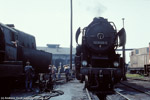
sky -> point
(49, 20)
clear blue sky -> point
(49, 20)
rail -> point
(125, 97)
(147, 93)
(91, 96)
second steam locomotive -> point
(96, 59)
(16, 48)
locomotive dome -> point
(100, 35)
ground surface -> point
(72, 90)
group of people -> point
(29, 74)
(52, 72)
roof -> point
(53, 45)
(60, 50)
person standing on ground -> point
(66, 69)
(54, 69)
(29, 74)
(50, 69)
(50, 72)
(59, 74)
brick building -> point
(60, 55)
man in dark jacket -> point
(67, 70)
(50, 69)
(29, 73)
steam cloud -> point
(93, 7)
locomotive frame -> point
(96, 61)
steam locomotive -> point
(16, 48)
(96, 59)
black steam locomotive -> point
(16, 48)
(96, 59)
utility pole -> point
(71, 35)
(124, 58)
(149, 52)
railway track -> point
(91, 96)
(122, 96)
(139, 90)
(117, 96)
(128, 92)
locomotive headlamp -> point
(84, 63)
(116, 64)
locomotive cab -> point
(2, 46)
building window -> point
(147, 50)
(137, 51)
(131, 54)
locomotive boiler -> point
(96, 59)
(16, 48)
